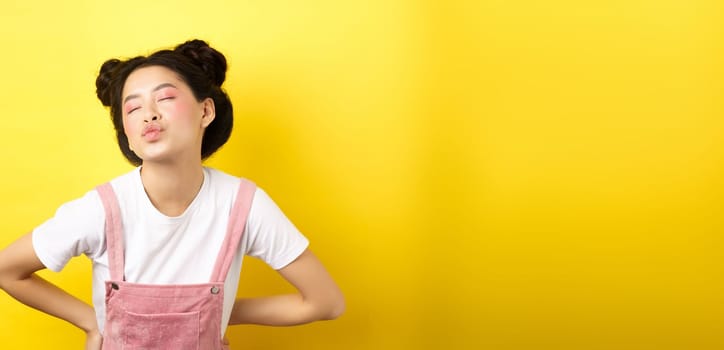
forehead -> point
(147, 78)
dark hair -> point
(197, 64)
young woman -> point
(167, 239)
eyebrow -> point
(164, 85)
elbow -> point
(5, 282)
(337, 311)
(5, 279)
(325, 309)
(335, 308)
(3, 274)
(9, 277)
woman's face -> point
(161, 117)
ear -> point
(209, 112)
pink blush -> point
(181, 108)
(130, 108)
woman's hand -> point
(18, 264)
(319, 298)
(93, 340)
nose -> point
(152, 114)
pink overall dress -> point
(173, 317)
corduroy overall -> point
(173, 317)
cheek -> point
(178, 111)
(185, 122)
(130, 129)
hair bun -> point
(105, 79)
(201, 54)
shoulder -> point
(262, 203)
(219, 179)
(224, 182)
(126, 182)
(90, 202)
(126, 190)
(90, 205)
(227, 186)
(87, 205)
(76, 228)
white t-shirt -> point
(168, 250)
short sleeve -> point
(271, 237)
(75, 229)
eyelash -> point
(159, 100)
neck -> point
(172, 187)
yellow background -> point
(475, 174)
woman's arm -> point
(18, 264)
(319, 298)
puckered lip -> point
(151, 127)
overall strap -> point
(234, 230)
(113, 231)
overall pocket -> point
(178, 331)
